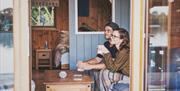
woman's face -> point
(108, 32)
(115, 39)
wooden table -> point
(54, 83)
(43, 58)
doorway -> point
(49, 38)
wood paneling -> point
(99, 14)
(40, 35)
(62, 16)
(175, 24)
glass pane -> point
(163, 61)
(42, 16)
(6, 46)
(93, 15)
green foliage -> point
(42, 16)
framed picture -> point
(92, 15)
(43, 16)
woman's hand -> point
(79, 64)
(102, 49)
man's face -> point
(108, 32)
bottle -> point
(46, 45)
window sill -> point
(44, 28)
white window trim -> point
(137, 45)
(76, 18)
(21, 45)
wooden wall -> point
(40, 35)
(175, 24)
(99, 14)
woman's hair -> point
(113, 25)
(124, 34)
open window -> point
(92, 15)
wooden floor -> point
(38, 77)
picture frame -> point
(43, 16)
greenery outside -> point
(42, 16)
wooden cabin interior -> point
(95, 15)
(50, 43)
(75, 28)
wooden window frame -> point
(46, 27)
(22, 45)
(137, 37)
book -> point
(77, 76)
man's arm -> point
(95, 60)
(87, 66)
(97, 66)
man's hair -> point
(113, 25)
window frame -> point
(76, 18)
(21, 50)
(46, 27)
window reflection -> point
(163, 70)
(6, 13)
(158, 43)
(6, 45)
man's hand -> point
(83, 65)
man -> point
(96, 63)
(109, 28)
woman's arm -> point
(119, 63)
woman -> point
(114, 66)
